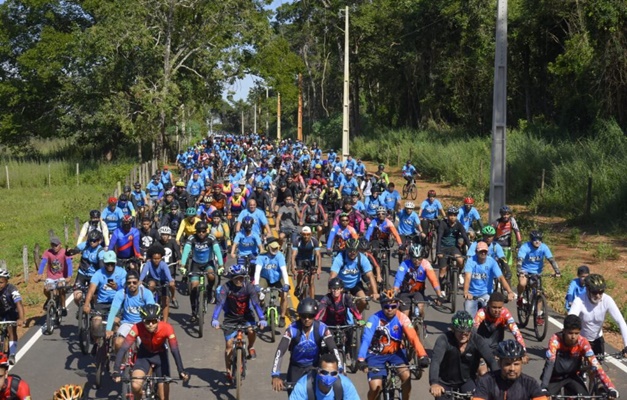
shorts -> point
(10, 315)
(102, 308)
(124, 329)
(379, 360)
(82, 281)
(195, 267)
(160, 361)
(52, 284)
(231, 333)
(406, 299)
(302, 264)
(263, 282)
(359, 286)
(164, 286)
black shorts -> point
(195, 267)
(82, 281)
(406, 299)
(102, 308)
(302, 264)
(160, 361)
(357, 288)
(163, 287)
(10, 315)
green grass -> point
(605, 251)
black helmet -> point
(462, 321)
(127, 188)
(595, 283)
(307, 306)
(336, 283)
(94, 214)
(247, 223)
(352, 244)
(201, 226)
(533, 235)
(94, 236)
(510, 349)
(150, 312)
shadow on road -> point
(212, 379)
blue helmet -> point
(247, 223)
(237, 270)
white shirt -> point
(593, 315)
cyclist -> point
(270, 270)
(260, 222)
(68, 392)
(181, 195)
(247, 243)
(325, 382)
(577, 286)
(348, 183)
(355, 218)
(468, 214)
(221, 231)
(382, 343)
(409, 172)
(303, 338)
(128, 301)
(155, 337)
(509, 383)
(457, 355)
(126, 206)
(204, 251)
(280, 194)
(195, 187)
(188, 225)
(147, 234)
(12, 387)
(306, 254)
(409, 281)
(11, 309)
(91, 260)
(564, 360)
(312, 215)
(94, 223)
(409, 227)
(450, 234)
(238, 299)
(506, 226)
(352, 266)
(138, 196)
(112, 215)
(330, 197)
(219, 198)
(337, 307)
(382, 176)
(287, 219)
(104, 284)
(155, 191)
(125, 241)
(357, 204)
(205, 209)
(58, 267)
(391, 199)
(261, 198)
(166, 178)
(591, 307)
(531, 261)
(429, 211)
(494, 250)
(373, 201)
(156, 273)
(382, 227)
(479, 274)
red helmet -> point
(112, 200)
(314, 182)
(4, 361)
(127, 219)
(431, 193)
(469, 200)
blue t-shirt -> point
(161, 273)
(195, 187)
(430, 210)
(90, 257)
(271, 266)
(247, 245)
(129, 306)
(154, 189)
(468, 217)
(408, 170)
(259, 216)
(494, 250)
(113, 219)
(482, 275)
(532, 258)
(575, 289)
(390, 199)
(372, 204)
(104, 292)
(407, 223)
(348, 270)
(348, 185)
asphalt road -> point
(55, 360)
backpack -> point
(316, 331)
(338, 390)
(15, 384)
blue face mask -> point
(328, 380)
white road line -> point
(22, 351)
(610, 360)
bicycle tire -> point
(354, 348)
(413, 192)
(523, 310)
(540, 330)
(201, 311)
(239, 354)
(272, 323)
(454, 287)
(405, 191)
(83, 329)
(432, 252)
(101, 359)
(51, 313)
(127, 392)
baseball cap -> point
(55, 241)
(482, 246)
(274, 245)
(306, 229)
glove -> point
(258, 288)
(424, 362)
(221, 271)
(263, 323)
(215, 323)
(183, 271)
(361, 365)
(612, 394)
(286, 288)
(361, 322)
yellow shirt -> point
(187, 228)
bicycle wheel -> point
(405, 190)
(353, 349)
(540, 317)
(413, 192)
(271, 316)
(83, 330)
(126, 392)
(431, 246)
(201, 311)
(523, 310)
(101, 361)
(454, 286)
(51, 314)
(239, 354)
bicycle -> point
(591, 378)
(272, 311)
(450, 283)
(84, 323)
(4, 335)
(418, 322)
(238, 355)
(305, 279)
(454, 395)
(54, 307)
(391, 385)
(150, 389)
(348, 351)
(534, 303)
(203, 301)
(104, 355)
(127, 368)
(410, 190)
(431, 241)
(381, 253)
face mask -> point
(328, 380)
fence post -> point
(3, 264)
(36, 254)
(6, 168)
(589, 197)
(49, 175)
(77, 175)
(398, 156)
(66, 232)
(119, 187)
(77, 226)
(25, 262)
(50, 234)
(542, 184)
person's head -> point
(409, 207)
(190, 213)
(391, 187)
(201, 229)
(66, 392)
(349, 173)
(216, 189)
(451, 214)
(505, 212)
(4, 278)
(150, 314)
(127, 223)
(156, 253)
(571, 330)
(289, 201)
(582, 273)
(328, 372)
(252, 205)
(313, 200)
(273, 246)
(155, 178)
(132, 281)
(94, 238)
(431, 196)
(216, 217)
(488, 232)
(247, 223)
(510, 355)
(382, 213)
(482, 252)
(461, 324)
(146, 222)
(180, 185)
(347, 205)
(165, 232)
(389, 303)
(174, 207)
(468, 203)
(595, 287)
(535, 237)
(137, 186)
(496, 304)
(336, 287)
(344, 220)
(307, 310)
(110, 260)
(112, 203)
(381, 167)
(337, 170)
(55, 244)
(416, 252)
(352, 248)
(237, 272)
(94, 217)
(305, 233)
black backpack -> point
(338, 390)
(15, 384)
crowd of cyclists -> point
(243, 214)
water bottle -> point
(416, 311)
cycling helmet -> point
(337, 169)
(462, 321)
(410, 204)
(336, 283)
(313, 197)
(68, 392)
(4, 273)
(381, 210)
(355, 193)
(137, 185)
(241, 182)
(509, 349)
(348, 171)
(352, 245)
(123, 197)
(174, 205)
(364, 245)
(216, 214)
(415, 250)
(469, 200)
(127, 220)
(307, 306)
(165, 230)
(169, 192)
(282, 184)
(238, 269)
(533, 235)
(174, 225)
(180, 184)
(112, 200)
(452, 210)
(488, 230)
(94, 214)
(190, 212)
(388, 296)
(127, 188)
(408, 162)
(593, 283)
(381, 166)
(247, 223)
(94, 236)
(314, 182)
(505, 210)
(431, 193)
(150, 312)
(259, 185)
(201, 226)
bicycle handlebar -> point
(410, 367)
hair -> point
(572, 322)
(328, 358)
(497, 297)
(146, 219)
(132, 274)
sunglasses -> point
(343, 220)
(94, 241)
(204, 231)
(390, 306)
(306, 316)
(151, 322)
(325, 372)
(598, 293)
(483, 252)
(132, 282)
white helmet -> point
(4, 273)
(165, 230)
(410, 204)
(338, 169)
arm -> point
(284, 345)
(439, 351)
(186, 250)
(174, 349)
(394, 232)
(411, 334)
(115, 307)
(618, 317)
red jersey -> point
(153, 342)
(22, 392)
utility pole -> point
(300, 107)
(255, 119)
(267, 114)
(242, 122)
(499, 115)
(278, 117)
(345, 121)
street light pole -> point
(499, 115)
(345, 120)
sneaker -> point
(282, 322)
(252, 354)
(460, 281)
(540, 320)
(519, 302)
(12, 359)
(229, 378)
(174, 303)
(64, 312)
(193, 319)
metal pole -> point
(278, 116)
(255, 119)
(345, 121)
(499, 114)
(300, 107)
(242, 122)
(267, 114)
